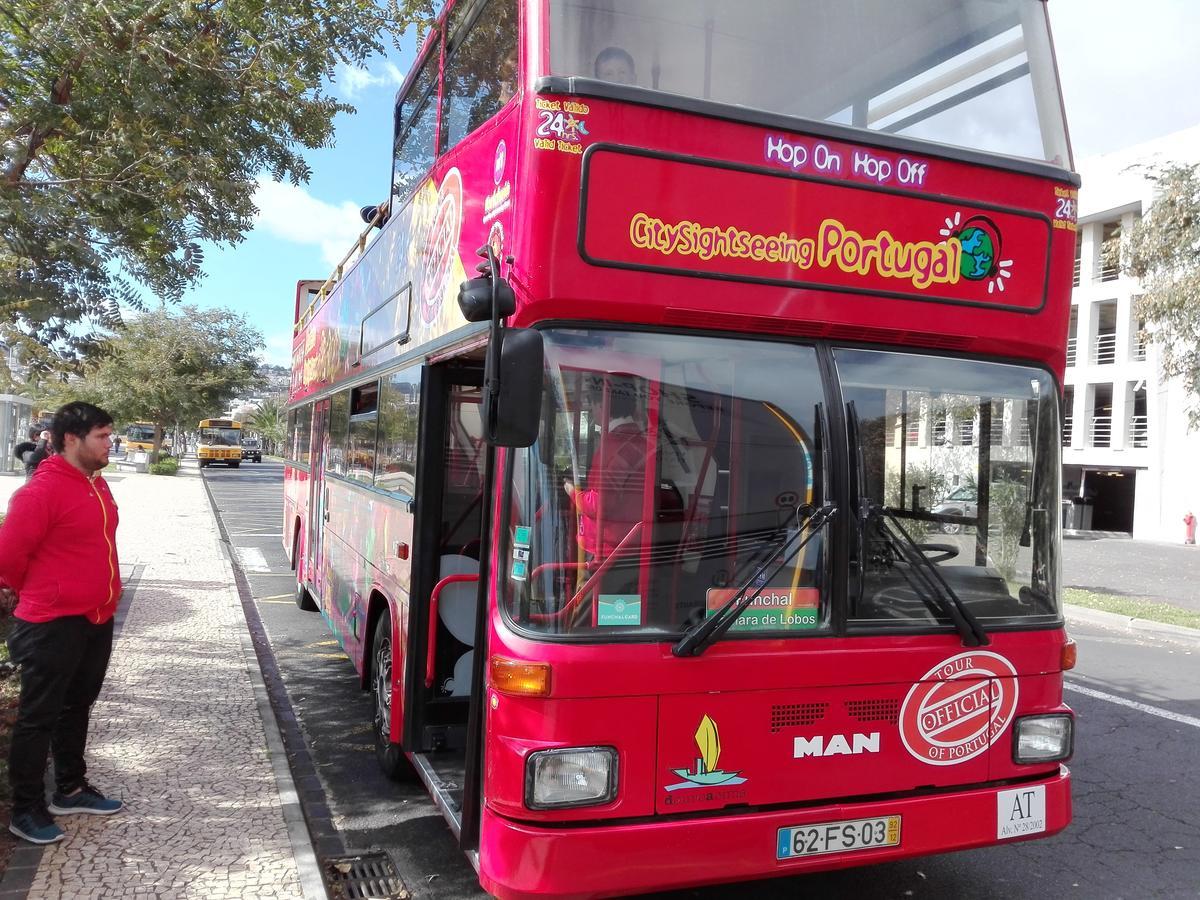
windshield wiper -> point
(937, 593)
(697, 639)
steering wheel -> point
(943, 551)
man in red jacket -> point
(58, 555)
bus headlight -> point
(1039, 739)
(575, 776)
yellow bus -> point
(139, 436)
(220, 442)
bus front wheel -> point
(392, 761)
(234, 465)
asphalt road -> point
(1136, 831)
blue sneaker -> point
(36, 827)
(87, 800)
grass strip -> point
(1135, 607)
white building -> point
(1127, 446)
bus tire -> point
(234, 465)
(304, 599)
(392, 761)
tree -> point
(270, 421)
(169, 368)
(1163, 252)
(131, 131)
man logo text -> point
(836, 745)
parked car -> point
(252, 449)
(962, 501)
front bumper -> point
(517, 860)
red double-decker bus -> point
(711, 532)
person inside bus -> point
(615, 65)
(611, 503)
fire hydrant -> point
(1189, 528)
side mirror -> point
(511, 415)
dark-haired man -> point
(58, 556)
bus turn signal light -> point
(525, 679)
(1069, 653)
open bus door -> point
(440, 662)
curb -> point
(308, 867)
(1132, 624)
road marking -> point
(273, 597)
(1133, 704)
(255, 534)
(252, 560)
(288, 602)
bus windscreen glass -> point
(972, 73)
(221, 437)
(142, 434)
(668, 470)
(963, 455)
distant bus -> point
(139, 436)
(220, 442)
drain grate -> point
(370, 877)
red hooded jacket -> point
(58, 546)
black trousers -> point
(63, 663)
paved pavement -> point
(182, 732)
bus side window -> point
(399, 411)
(416, 122)
(339, 421)
(481, 70)
(364, 417)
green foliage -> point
(132, 132)
(168, 465)
(168, 367)
(270, 421)
(1006, 518)
(1163, 253)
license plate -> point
(838, 837)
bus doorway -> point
(442, 621)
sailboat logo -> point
(706, 773)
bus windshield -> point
(960, 457)
(973, 73)
(668, 470)
(221, 437)
(140, 433)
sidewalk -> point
(182, 731)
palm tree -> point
(270, 421)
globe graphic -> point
(978, 253)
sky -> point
(1128, 72)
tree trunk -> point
(158, 439)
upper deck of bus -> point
(878, 173)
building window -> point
(1101, 424)
(1110, 252)
(1078, 257)
(1139, 421)
(1139, 336)
(1072, 335)
(1104, 353)
(1068, 414)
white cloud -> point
(277, 349)
(292, 214)
(354, 80)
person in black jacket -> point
(34, 450)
